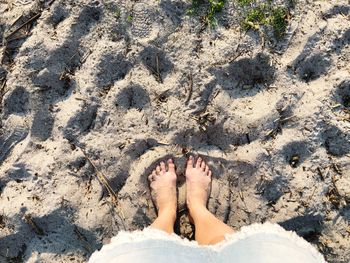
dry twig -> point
(82, 238)
(190, 88)
(158, 76)
(320, 173)
(36, 16)
(29, 219)
(104, 181)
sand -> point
(92, 90)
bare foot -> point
(198, 179)
(163, 187)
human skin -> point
(209, 229)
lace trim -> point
(124, 237)
(269, 228)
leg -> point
(209, 229)
(163, 187)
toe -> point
(203, 166)
(153, 175)
(190, 162)
(199, 162)
(206, 170)
(171, 166)
(163, 167)
(158, 170)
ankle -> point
(197, 210)
(167, 212)
(194, 204)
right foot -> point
(163, 186)
(198, 179)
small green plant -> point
(266, 14)
(129, 18)
(215, 7)
(245, 2)
(117, 13)
(212, 8)
(114, 9)
(254, 18)
(194, 7)
(279, 21)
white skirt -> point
(257, 243)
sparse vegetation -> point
(265, 14)
(117, 13)
(114, 9)
(279, 21)
(254, 15)
(245, 2)
(129, 18)
(212, 7)
(254, 18)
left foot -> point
(163, 188)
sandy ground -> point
(94, 90)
